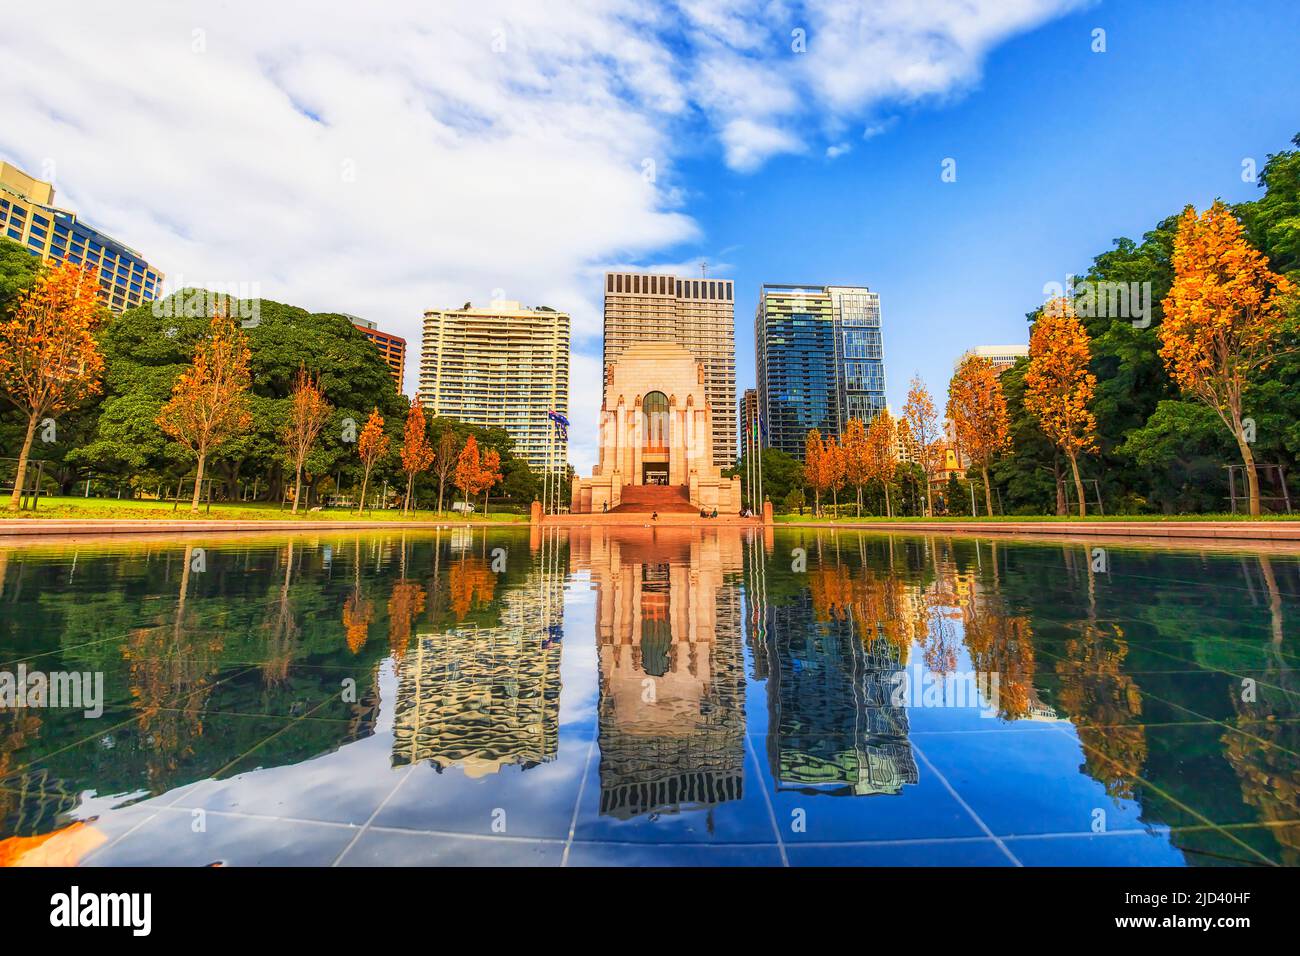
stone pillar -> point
(676, 446)
(701, 431)
(637, 441)
(606, 462)
(535, 513)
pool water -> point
(662, 696)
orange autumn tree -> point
(1223, 319)
(857, 464)
(470, 474)
(978, 411)
(833, 463)
(882, 453)
(1059, 387)
(927, 437)
(489, 474)
(49, 360)
(308, 412)
(209, 403)
(814, 466)
(372, 445)
(417, 453)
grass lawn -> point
(849, 519)
(91, 509)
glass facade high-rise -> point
(29, 217)
(820, 360)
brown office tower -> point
(697, 314)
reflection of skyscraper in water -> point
(833, 726)
(487, 697)
(671, 712)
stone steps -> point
(665, 499)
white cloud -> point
(381, 160)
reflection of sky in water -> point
(651, 696)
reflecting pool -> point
(632, 696)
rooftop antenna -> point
(704, 268)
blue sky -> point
(382, 160)
(1059, 150)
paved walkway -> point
(1284, 532)
(1222, 530)
(616, 518)
(20, 527)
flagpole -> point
(546, 467)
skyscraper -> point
(29, 217)
(820, 361)
(748, 415)
(503, 366)
(392, 348)
(697, 314)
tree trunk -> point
(198, 483)
(1252, 477)
(297, 488)
(859, 501)
(21, 475)
(988, 493)
(889, 510)
(365, 480)
(485, 503)
(406, 504)
(442, 481)
(1060, 488)
(1078, 486)
(817, 503)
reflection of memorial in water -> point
(833, 726)
(671, 712)
(485, 697)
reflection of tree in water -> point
(1262, 751)
(480, 697)
(835, 649)
(405, 602)
(941, 611)
(282, 629)
(1002, 644)
(471, 584)
(1105, 706)
(880, 606)
(357, 612)
(23, 796)
(357, 609)
(170, 672)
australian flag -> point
(561, 423)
